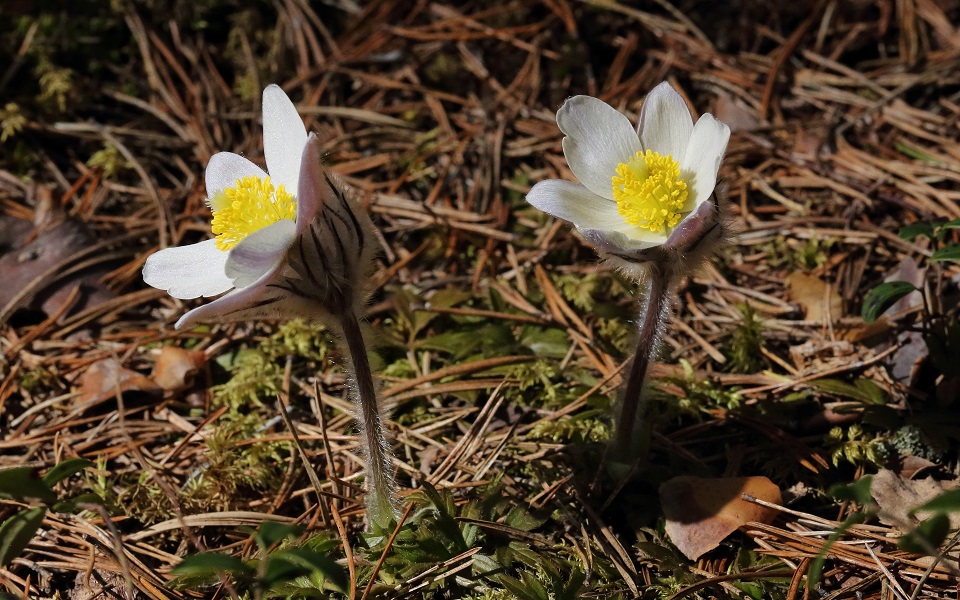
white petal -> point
(598, 139)
(259, 253)
(619, 241)
(575, 203)
(665, 122)
(313, 190)
(223, 171)
(702, 160)
(188, 271)
(283, 138)
(257, 301)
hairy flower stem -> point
(380, 484)
(634, 428)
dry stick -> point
(380, 484)
(632, 440)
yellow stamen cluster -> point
(252, 204)
(649, 191)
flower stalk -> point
(633, 425)
(287, 244)
(380, 482)
(646, 200)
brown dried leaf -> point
(176, 367)
(736, 115)
(897, 496)
(912, 466)
(104, 378)
(818, 298)
(702, 512)
(30, 265)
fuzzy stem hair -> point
(634, 428)
(381, 509)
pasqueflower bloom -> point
(644, 201)
(637, 187)
(287, 243)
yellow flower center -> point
(649, 191)
(252, 204)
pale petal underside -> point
(283, 138)
(188, 272)
(260, 252)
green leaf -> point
(574, 586)
(945, 502)
(545, 342)
(17, 531)
(750, 589)
(495, 338)
(62, 470)
(863, 390)
(74, 503)
(484, 564)
(533, 585)
(209, 564)
(271, 532)
(519, 518)
(943, 229)
(954, 224)
(951, 252)
(858, 491)
(515, 587)
(919, 228)
(20, 483)
(927, 536)
(293, 562)
(882, 297)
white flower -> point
(636, 188)
(287, 244)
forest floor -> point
(499, 339)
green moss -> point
(855, 446)
(745, 348)
(698, 395)
(400, 368)
(535, 385)
(909, 440)
(37, 378)
(577, 430)
(237, 465)
(617, 332)
(12, 121)
(578, 289)
(254, 376)
(56, 85)
(142, 498)
(798, 254)
(110, 160)
(299, 339)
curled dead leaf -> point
(737, 115)
(897, 496)
(105, 378)
(819, 299)
(176, 368)
(29, 267)
(702, 512)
